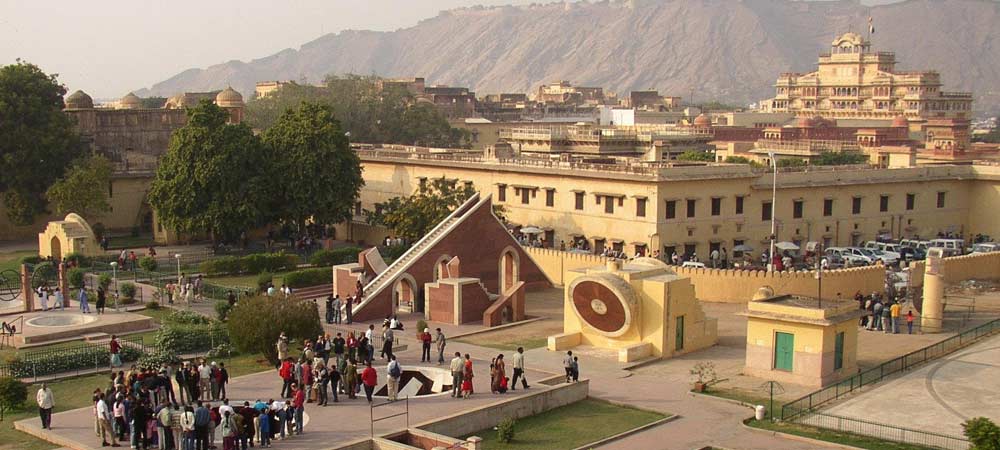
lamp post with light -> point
(114, 276)
(774, 197)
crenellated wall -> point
(731, 286)
(975, 266)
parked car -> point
(700, 265)
(915, 244)
(888, 258)
(848, 257)
(863, 253)
(951, 247)
(890, 249)
(912, 254)
(985, 247)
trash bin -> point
(759, 411)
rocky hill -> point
(727, 50)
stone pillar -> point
(64, 285)
(474, 443)
(26, 292)
(932, 312)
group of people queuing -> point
(883, 313)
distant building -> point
(265, 88)
(564, 92)
(652, 100)
(855, 82)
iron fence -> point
(813, 400)
(72, 360)
(883, 431)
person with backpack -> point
(395, 371)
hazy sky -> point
(109, 47)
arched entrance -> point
(56, 246)
(510, 269)
(404, 293)
(441, 267)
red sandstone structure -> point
(468, 268)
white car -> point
(699, 265)
(951, 247)
(886, 257)
(985, 247)
(850, 259)
(862, 253)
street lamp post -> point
(114, 276)
(774, 200)
(178, 257)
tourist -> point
(115, 348)
(369, 378)
(348, 310)
(387, 338)
(189, 428)
(198, 282)
(45, 403)
(104, 418)
(394, 372)
(188, 293)
(60, 299)
(329, 309)
(264, 423)
(222, 379)
(213, 381)
(306, 379)
(120, 424)
(339, 346)
(519, 370)
(139, 416)
(282, 346)
(498, 384)
(322, 376)
(576, 369)
(280, 417)
(568, 365)
(165, 438)
(204, 380)
(228, 430)
(177, 427)
(349, 375)
(467, 377)
(231, 298)
(395, 323)
(876, 321)
(894, 316)
(440, 341)
(337, 303)
(247, 433)
(182, 383)
(370, 344)
(299, 403)
(909, 321)
(43, 297)
(887, 319)
(214, 419)
(169, 288)
(457, 367)
(82, 298)
(425, 345)
(287, 377)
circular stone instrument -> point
(605, 303)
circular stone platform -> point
(61, 320)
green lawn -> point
(570, 426)
(12, 260)
(132, 242)
(508, 345)
(853, 440)
(244, 280)
(69, 394)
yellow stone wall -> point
(975, 266)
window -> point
(739, 204)
(797, 209)
(609, 205)
(502, 192)
(827, 207)
(578, 198)
(910, 200)
(690, 207)
(679, 334)
(883, 203)
(111, 190)
(940, 200)
(671, 209)
(550, 197)
(525, 196)
(856, 205)
(765, 211)
(640, 207)
(716, 206)
(357, 209)
(838, 352)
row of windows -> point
(798, 206)
(609, 201)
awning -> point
(597, 238)
(617, 241)
(637, 243)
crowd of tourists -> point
(883, 314)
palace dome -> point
(229, 98)
(79, 100)
(130, 101)
(702, 121)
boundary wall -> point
(729, 285)
(975, 266)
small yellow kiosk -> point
(794, 339)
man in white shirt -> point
(104, 418)
(225, 407)
(393, 373)
(205, 379)
(45, 404)
(519, 370)
(457, 366)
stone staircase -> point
(388, 276)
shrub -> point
(76, 278)
(154, 305)
(982, 433)
(220, 351)
(104, 280)
(393, 252)
(263, 280)
(220, 266)
(13, 393)
(251, 264)
(505, 430)
(256, 322)
(157, 359)
(176, 338)
(341, 255)
(67, 360)
(184, 317)
(78, 259)
(309, 277)
(127, 290)
(148, 263)
(99, 230)
(222, 308)
(420, 326)
(31, 260)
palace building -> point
(853, 81)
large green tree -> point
(84, 188)
(215, 177)
(367, 109)
(415, 215)
(319, 174)
(840, 158)
(37, 141)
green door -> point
(784, 348)
(679, 337)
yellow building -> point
(855, 82)
(795, 340)
(696, 208)
(640, 309)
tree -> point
(840, 158)
(256, 322)
(319, 175)
(215, 177)
(37, 141)
(692, 155)
(414, 216)
(153, 102)
(982, 433)
(791, 162)
(84, 188)
(13, 393)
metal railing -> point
(813, 400)
(884, 431)
(72, 361)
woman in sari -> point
(499, 372)
(467, 377)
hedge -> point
(185, 317)
(250, 264)
(186, 338)
(69, 360)
(309, 277)
(341, 255)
